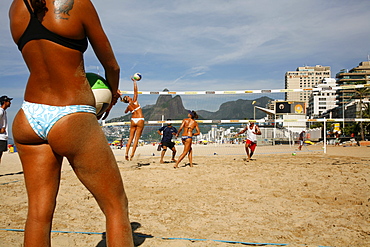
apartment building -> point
(355, 76)
(304, 78)
(322, 99)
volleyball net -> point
(222, 114)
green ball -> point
(96, 81)
(101, 91)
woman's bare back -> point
(189, 125)
(57, 75)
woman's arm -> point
(197, 129)
(135, 90)
(102, 48)
(181, 127)
(101, 45)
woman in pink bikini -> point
(188, 125)
(137, 121)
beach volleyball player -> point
(251, 143)
(187, 126)
(58, 117)
(137, 119)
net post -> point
(324, 135)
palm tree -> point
(361, 93)
(366, 114)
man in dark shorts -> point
(5, 103)
(167, 132)
(301, 138)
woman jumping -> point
(137, 121)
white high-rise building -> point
(323, 98)
(304, 78)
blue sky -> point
(212, 44)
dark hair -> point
(4, 99)
(124, 99)
(193, 114)
(39, 6)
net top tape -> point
(251, 91)
(247, 121)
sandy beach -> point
(307, 199)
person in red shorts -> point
(251, 142)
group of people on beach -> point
(137, 126)
(187, 126)
(58, 115)
(167, 132)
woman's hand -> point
(115, 98)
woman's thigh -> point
(41, 169)
(80, 138)
(187, 145)
(140, 128)
(41, 165)
(133, 128)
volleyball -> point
(136, 77)
(101, 91)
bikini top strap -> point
(29, 7)
(137, 108)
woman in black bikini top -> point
(52, 36)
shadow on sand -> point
(139, 238)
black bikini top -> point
(35, 30)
